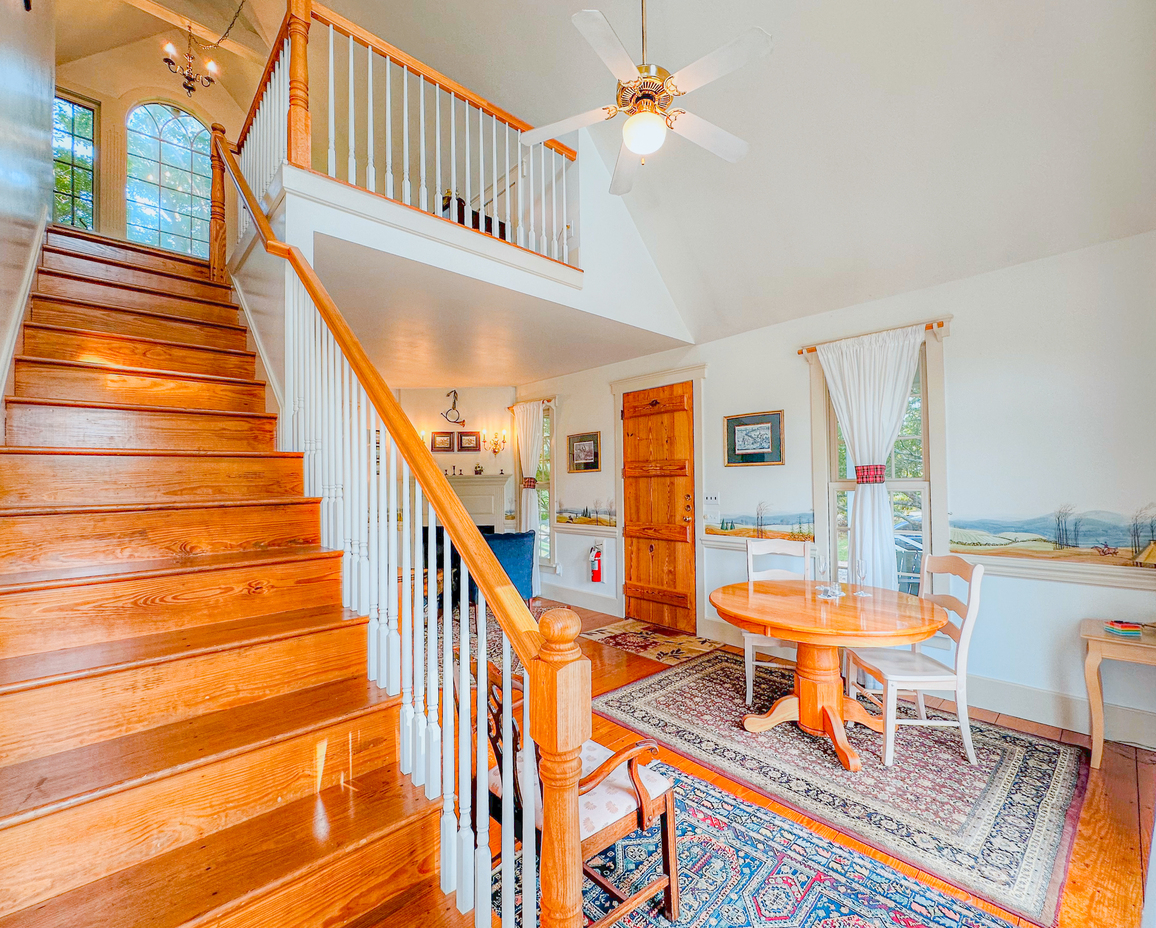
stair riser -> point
(45, 380)
(51, 284)
(127, 352)
(97, 319)
(350, 884)
(79, 427)
(49, 479)
(46, 542)
(66, 849)
(74, 616)
(46, 720)
(95, 269)
(198, 270)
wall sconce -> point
(496, 443)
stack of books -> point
(1124, 629)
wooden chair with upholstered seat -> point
(901, 670)
(618, 795)
(770, 547)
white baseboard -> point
(572, 597)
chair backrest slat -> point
(780, 547)
(961, 614)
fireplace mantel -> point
(484, 497)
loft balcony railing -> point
(386, 502)
(337, 100)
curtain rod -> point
(938, 327)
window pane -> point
(82, 214)
(72, 144)
(169, 198)
(82, 183)
(907, 511)
(843, 459)
(143, 235)
(907, 459)
(61, 177)
(62, 117)
(913, 419)
(62, 208)
(82, 122)
(543, 477)
(843, 502)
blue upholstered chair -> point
(515, 551)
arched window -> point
(169, 179)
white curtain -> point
(528, 429)
(869, 379)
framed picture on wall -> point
(584, 452)
(754, 438)
(441, 441)
(469, 441)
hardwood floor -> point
(1109, 860)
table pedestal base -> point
(818, 703)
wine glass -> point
(821, 569)
(861, 576)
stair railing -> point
(397, 127)
(380, 486)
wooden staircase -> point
(188, 736)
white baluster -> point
(405, 186)
(481, 174)
(565, 256)
(332, 161)
(438, 148)
(374, 554)
(453, 162)
(520, 237)
(419, 704)
(433, 735)
(465, 883)
(364, 583)
(553, 204)
(370, 167)
(494, 173)
(406, 737)
(449, 825)
(344, 493)
(469, 201)
(388, 129)
(483, 903)
(381, 474)
(530, 799)
(424, 200)
(509, 229)
(325, 413)
(508, 761)
(285, 421)
(393, 678)
(531, 235)
(545, 239)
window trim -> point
(94, 105)
(547, 564)
(824, 463)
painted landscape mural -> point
(1092, 536)
(762, 523)
(598, 512)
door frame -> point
(695, 374)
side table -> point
(1104, 645)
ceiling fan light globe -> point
(643, 133)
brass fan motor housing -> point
(652, 92)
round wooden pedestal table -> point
(793, 611)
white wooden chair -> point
(900, 670)
(760, 547)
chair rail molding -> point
(1109, 575)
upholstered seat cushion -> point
(611, 799)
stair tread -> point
(131, 407)
(104, 259)
(37, 787)
(82, 574)
(120, 285)
(119, 336)
(104, 366)
(423, 905)
(29, 670)
(148, 452)
(71, 232)
(157, 506)
(168, 317)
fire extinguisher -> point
(596, 564)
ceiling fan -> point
(646, 93)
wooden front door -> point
(658, 506)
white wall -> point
(27, 44)
(1046, 370)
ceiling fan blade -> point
(596, 29)
(555, 129)
(709, 136)
(624, 171)
(753, 44)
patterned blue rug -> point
(742, 866)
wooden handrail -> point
(266, 76)
(327, 17)
(500, 593)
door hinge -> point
(622, 414)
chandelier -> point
(189, 76)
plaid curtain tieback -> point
(871, 473)
(529, 483)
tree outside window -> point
(73, 163)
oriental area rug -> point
(1002, 829)
(742, 866)
(653, 641)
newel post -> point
(560, 723)
(217, 207)
(299, 141)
